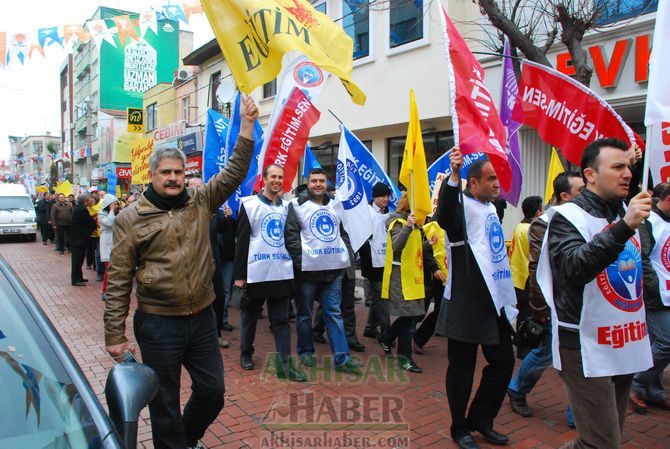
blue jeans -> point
(227, 274)
(531, 369)
(330, 294)
(649, 384)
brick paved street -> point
(408, 408)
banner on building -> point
(290, 135)
(255, 34)
(566, 113)
(477, 125)
(140, 151)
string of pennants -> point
(23, 45)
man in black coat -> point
(43, 210)
(81, 226)
(470, 319)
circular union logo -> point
(665, 254)
(621, 282)
(323, 227)
(494, 233)
(354, 193)
(272, 229)
(306, 74)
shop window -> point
(356, 23)
(435, 145)
(616, 10)
(405, 22)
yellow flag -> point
(64, 187)
(414, 165)
(255, 34)
(555, 168)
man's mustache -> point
(171, 184)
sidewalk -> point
(387, 408)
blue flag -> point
(443, 165)
(247, 186)
(214, 157)
(309, 163)
(369, 169)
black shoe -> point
(385, 346)
(370, 333)
(78, 284)
(492, 436)
(409, 365)
(44, 243)
(349, 367)
(519, 404)
(227, 327)
(466, 442)
(83, 280)
(368, 303)
(357, 346)
(318, 339)
(246, 362)
(61, 252)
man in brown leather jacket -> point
(162, 241)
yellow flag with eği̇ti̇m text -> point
(555, 169)
(254, 35)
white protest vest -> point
(378, 239)
(322, 246)
(660, 255)
(487, 241)
(268, 259)
(612, 327)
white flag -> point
(350, 198)
(658, 88)
(300, 72)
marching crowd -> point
(570, 293)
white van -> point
(17, 212)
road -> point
(386, 408)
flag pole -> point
(411, 188)
(645, 165)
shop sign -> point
(608, 67)
(193, 166)
(171, 132)
(188, 143)
(124, 172)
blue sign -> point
(188, 143)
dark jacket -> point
(536, 232)
(168, 252)
(44, 211)
(293, 243)
(652, 295)
(270, 289)
(223, 237)
(469, 315)
(575, 262)
(61, 214)
(81, 226)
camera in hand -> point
(128, 356)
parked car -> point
(46, 400)
(17, 212)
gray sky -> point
(29, 93)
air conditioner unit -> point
(183, 75)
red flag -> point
(477, 125)
(290, 134)
(566, 113)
